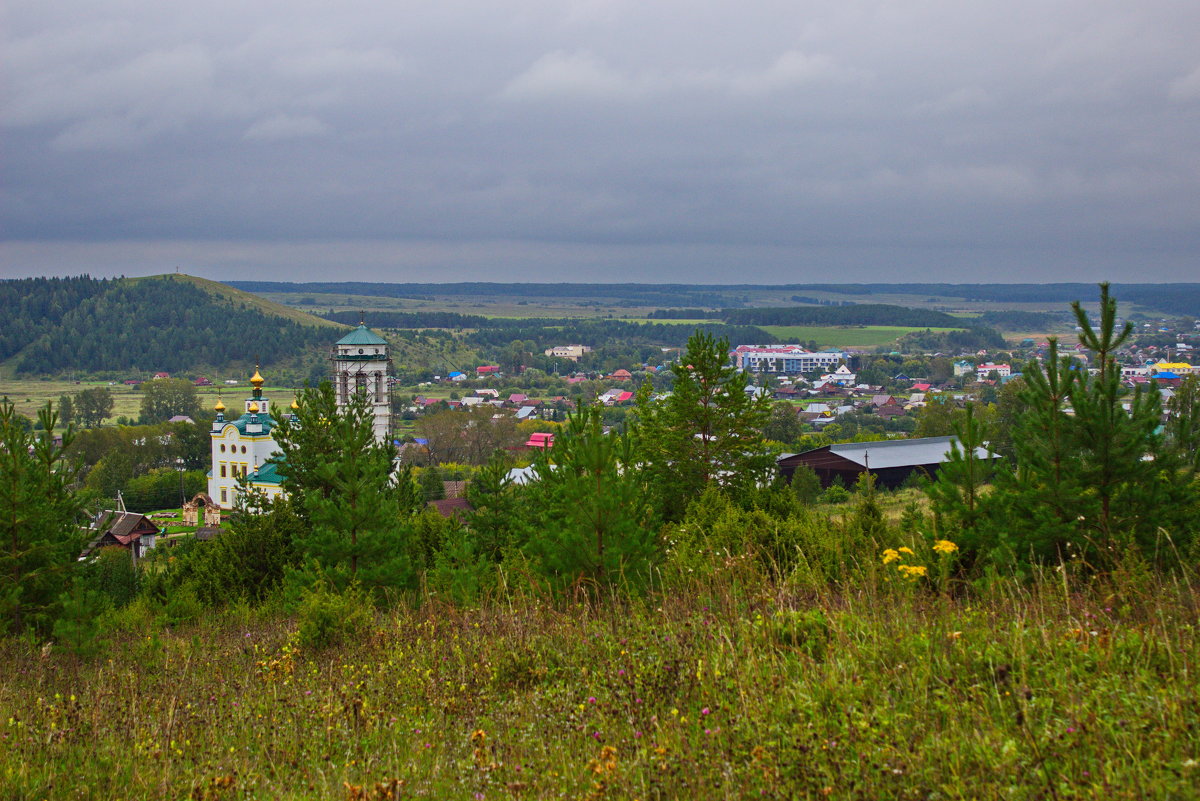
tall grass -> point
(728, 684)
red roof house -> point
(540, 439)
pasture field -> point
(845, 336)
(29, 395)
(734, 685)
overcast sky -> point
(609, 140)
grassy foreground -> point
(734, 688)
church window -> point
(222, 466)
(243, 449)
(224, 495)
(222, 447)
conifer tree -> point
(955, 495)
(342, 476)
(39, 539)
(597, 521)
(1125, 488)
(707, 431)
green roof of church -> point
(362, 336)
(265, 420)
(266, 474)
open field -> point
(844, 337)
(29, 395)
(733, 686)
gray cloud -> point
(541, 140)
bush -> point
(329, 619)
(835, 494)
(183, 605)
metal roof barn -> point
(891, 461)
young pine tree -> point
(955, 495)
(708, 431)
(39, 536)
(342, 477)
(597, 523)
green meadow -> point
(733, 684)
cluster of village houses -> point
(243, 445)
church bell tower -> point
(360, 364)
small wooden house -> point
(123, 530)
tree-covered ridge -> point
(32, 306)
(162, 324)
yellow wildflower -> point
(890, 555)
(912, 571)
(945, 546)
(906, 550)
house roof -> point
(894, 453)
(362, 336)
(125, 526)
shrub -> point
(835, 494)
(329, 619)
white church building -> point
(241, 446)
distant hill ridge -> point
(1171, 298)
(171, 323)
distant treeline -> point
(951, 341)
(824, 315)
(1023, 320)
(595, 332)
(420, 319)
(614, 294)
(858, 314)
(146, 325)
(549, 331)
(820, 302)
(1177, 298)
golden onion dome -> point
(257, 380)
(220, 407)
(295, 405)
(252, 408)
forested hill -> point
(171, 323)
(34, 306)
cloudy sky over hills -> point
(849, 140)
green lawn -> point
(844, 337)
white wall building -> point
(360, 364)
(241, 447)
(789, 359)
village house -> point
(120, 529)
(572, 352)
